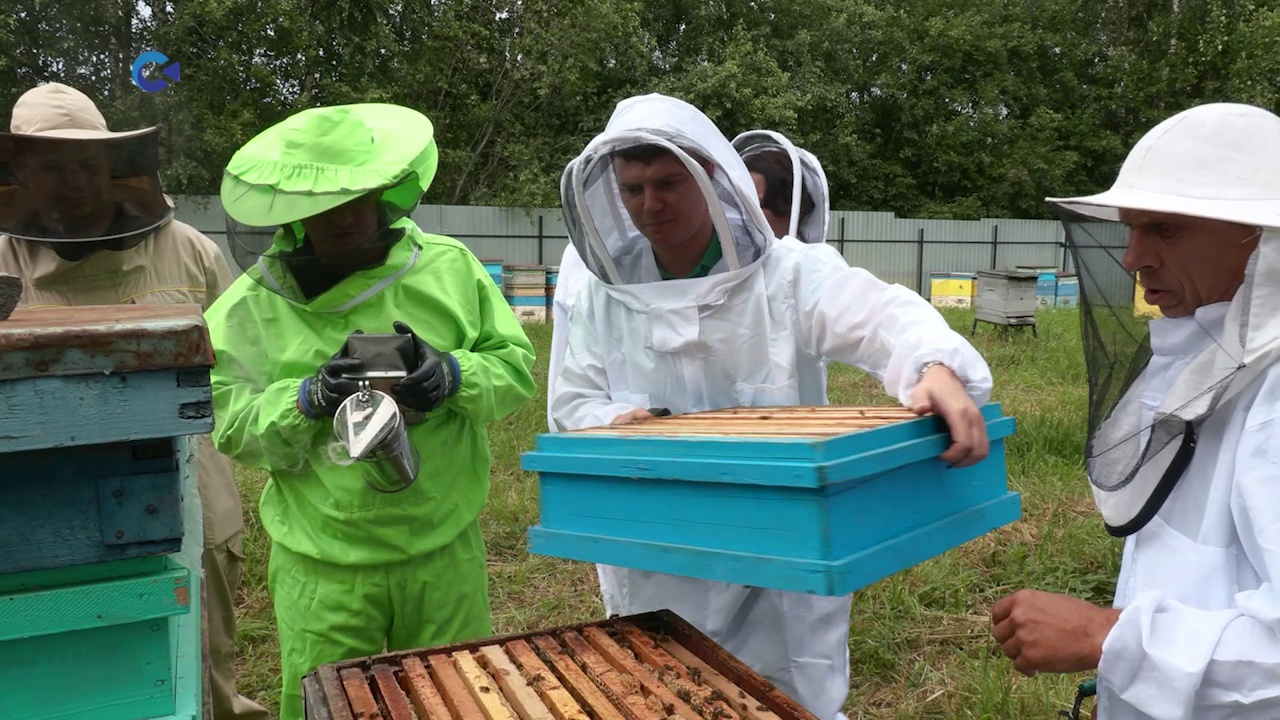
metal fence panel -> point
(892, 262)
(897, 250)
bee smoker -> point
(370, 424)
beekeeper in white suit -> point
(1184, 447)
(794, 197)
(694, 305)
(790, 183)
(793, 192)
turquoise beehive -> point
(100, 528)
(822, 500)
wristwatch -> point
(925, 367)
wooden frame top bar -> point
(811, 421)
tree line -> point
(926, 108)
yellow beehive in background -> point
(1141, 308)
(952, 289)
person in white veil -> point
(695, 305)
(793, 191)
(790, 183)
(794, 197)
(1183, 453)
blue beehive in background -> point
(527, 291)
(494, 268)
(1055, 288)
(1046, 289)
(100, 528)
(1067, 291)
(822, 500)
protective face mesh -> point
(57, 191)
(286, 258)
(609, 241)
(1143, 409)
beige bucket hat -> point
(57, 111)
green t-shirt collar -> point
(709, 259)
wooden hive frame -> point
(653, 666)
(805, 421)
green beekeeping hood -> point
(321, 158)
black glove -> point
(435, 379)
(322, 393)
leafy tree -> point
(935, 108)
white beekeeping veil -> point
(598, 223)
(806, 175)
(1217, 161)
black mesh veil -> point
(283, 259)
(1145, 407)
(1117, 344)
(59, 190)
(326, 193)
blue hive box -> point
(822, 500)
(100, 529)
(1046, 288)
(494, 268)
(1068, 291)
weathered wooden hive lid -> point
(103, 339)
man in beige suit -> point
(83, 221)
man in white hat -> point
(83, 221)
(1184, 420)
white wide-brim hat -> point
(1217, 161)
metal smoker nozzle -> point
(371, 427)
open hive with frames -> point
(653, 666)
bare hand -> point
(632, 416)
(1048, 632)
(942, 393)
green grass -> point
(920, 643)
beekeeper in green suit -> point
(318, 210)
